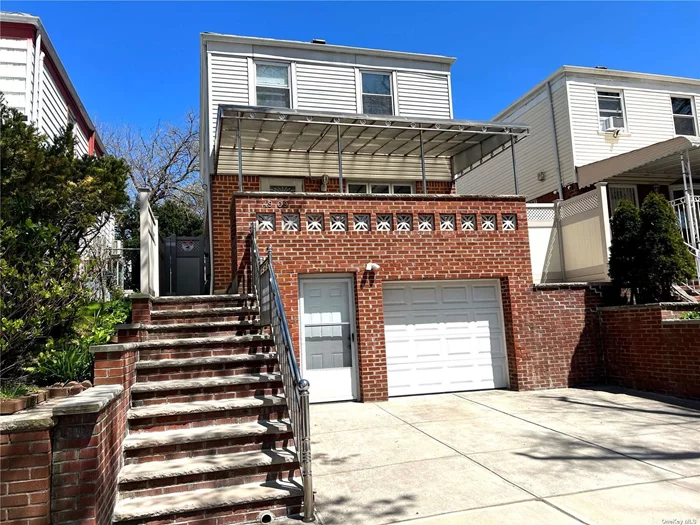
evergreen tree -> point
(625, 253)
(665, 258)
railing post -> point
(145, 261)
(305, 452)
(602, 189)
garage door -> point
(444, 336)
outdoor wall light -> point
(371, 267)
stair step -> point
(151, 507)
(199, 341)
(200, 434)
(198, 407)
(201, 325)
(204, 382)
(183, 299)
(173, 468)
(205, 361)
(204, 312)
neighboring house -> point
(369, 240)
(34, 81)
(638, 132)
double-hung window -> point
(377, 97)
(272, 86)
(611, 110)
(386, 188)
(683, 116)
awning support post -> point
(240, 155)
(340, 159)
(515, 166)
(422, 164)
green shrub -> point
(625, 253)
(690, 315)
(665, 258)
(11, 390)
(71, 363)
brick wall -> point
(223, 188)
(25, 477)
(411, 255)
(60, 461)
(564, 331)
(648, 348)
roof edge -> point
(238, 39)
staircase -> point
(210, 440)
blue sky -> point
(138, 62)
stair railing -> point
(687, 210)
(296, 389)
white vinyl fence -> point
(570, 240)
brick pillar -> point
(115, 365)
(141, 306)
(25, 474)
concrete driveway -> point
(566, 456)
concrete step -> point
(243, 501)
(163, 303)
(200, 329)
(203, 315)
(193, 473)
(205, 389)
(215, 366)
(172, 416)
(141, 447)
(203, 346)
(198, 435)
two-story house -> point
(34, 81)
(633, 132)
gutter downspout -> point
(37, 65)
(560, 184)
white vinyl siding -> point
(81, 141)
(15, 55)
(534, 154)
(423, 95)
(54, 110)
(326, 88)
(229, 85)
(648, 116)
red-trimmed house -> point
(34, 81)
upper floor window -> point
(683, 117)
(377, 98)
(402, 188)
(611, 110)
(272, 85)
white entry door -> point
(444, 336)
(328, 338)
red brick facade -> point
(63, 470)
(648, 348)
(224, 186)
(402, 255)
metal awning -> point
(655, 164)
(258, 130)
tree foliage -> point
(647, 252)
(665, 259)
(53, 203)
(165, 159)
(625, 249)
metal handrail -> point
(687, 210)
(296, 389)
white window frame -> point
(391, 185)
(266, 182)
(290, 80)
(392, 89)
(693, 117)
(599, 90)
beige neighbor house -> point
(622, 134)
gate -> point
(186, 266)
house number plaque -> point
(278, 204)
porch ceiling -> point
(658, 163)
(297, 132)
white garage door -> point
(444, 336)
